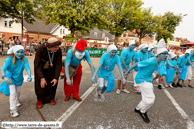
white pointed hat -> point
(161, 47)
(142, 46)
(172, 55)
(14, 49)
(188, 51)
(150, 46)
(131, 42)
(111, 47)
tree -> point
(169, 22)
(145, 25)
(77, 15)
(119, 15)
(14, 8)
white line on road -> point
(180, 110)
(68, 113)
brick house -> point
(38, 31)
(127, 36)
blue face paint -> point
(173, 58)
(151, 50)
(186, 55)
(19, 54)
(132, 47)
(112, 53)
(145, 50)
(164, 55)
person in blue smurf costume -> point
(140, 55)
(12, 75)
(182, 69)
(104, 69)
(150, 51)
(127, 55)
(144, 80)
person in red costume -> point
(73, 59)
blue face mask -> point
(112, 53)
(145, 50)
(186, 55)
(19, 54)
(132, 47)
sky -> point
(186, 27)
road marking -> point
(68, 113)
(180, 110)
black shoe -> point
(173, 84)
(159, 87)
(145, 117)
(178, 85)
(190, 86)
(137, 111)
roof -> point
(38, 27)
(96, 34)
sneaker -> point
(118, 91)
(170, 86)
(173, 84)
(39, 104)
(159, 87)
(18, 103)
(53, 102)
(190, 86)
(125, 90)
(14, 113)
(178, 85)
(183, 85)
(145, 117)
(102, 97)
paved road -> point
(115, 113)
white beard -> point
(79, 55)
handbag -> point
(111, 83)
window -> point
(32, 38)
(43, 39)
(60, 31)
(121, 40)
(106, 39)
(95, 34)
(9, 23)
(63, 31)
(113, 37)
(126, 40)
(5, 23)
(15, 37)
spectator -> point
(2, 41)
(95, 46)
(17, 42)
(104, 46)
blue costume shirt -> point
(108, 64)
(151, 54)
(182, 61)
(16, 70)
(75, 61)
(191, 57)
(146, 69)
(140, 56)
(127, 55)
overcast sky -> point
(186, 27)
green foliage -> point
(75, 14)
(145, 25)
(119, 15)
(13, 8)
(70, 37)
(168, 24)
